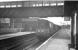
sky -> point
(28, 0)
(10, 0)
(58, 20)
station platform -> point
(11, 35)
(59, 41)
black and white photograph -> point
(38, 25)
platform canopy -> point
(31, 9)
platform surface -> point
(5, 36)
(59, 41)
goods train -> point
(43, 30)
